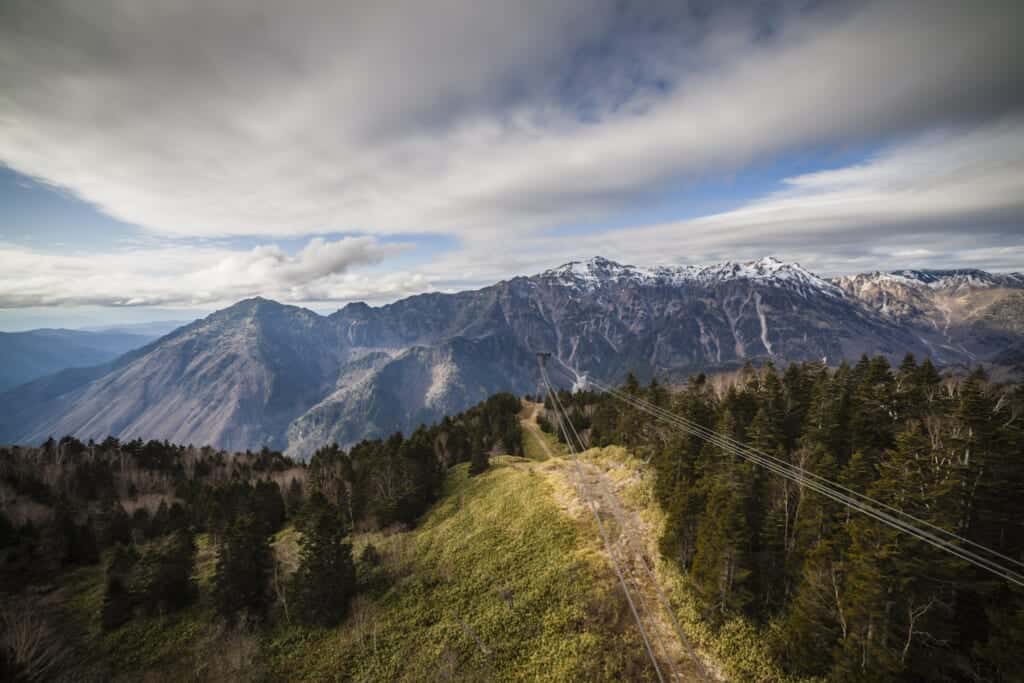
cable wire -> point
(559, 411)
(875, 509)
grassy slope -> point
(444, 612)
(496, 583)
(175, 645)
(738, 648)
(533, 436)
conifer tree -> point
(324, 583)
(293, 499)
(722, 562)
(164, 580)
(768, 511)
(242, 578)
(480, 462)
(117, 598)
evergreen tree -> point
(164, 580)
(815, 622)
(480, 462)
(722, 562)
(325, 580)
(767, 512)
(293, 498)
(242, 578)
(118, 601)
(268, 505)
(8, 534)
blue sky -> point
(161, 162)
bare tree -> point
(37, 650)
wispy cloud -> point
(495, 124)
(468, 118)
(904, 207)
(200, 276)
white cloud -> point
(904, 207)
(937, 200)
(200, 276)
(458, 117)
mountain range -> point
(260, 373)
(36, 353)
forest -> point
(138, 507)
(837, 594)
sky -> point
(162, 160)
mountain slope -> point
(497, 582)
(37, 353)
(236, 378)
(961, 313)
(259, 373)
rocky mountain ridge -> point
(262, 373)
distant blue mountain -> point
(153, 329)
(25, 356)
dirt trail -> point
(529, 423)
(631, 544)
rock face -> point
(962, 315)
(235, 379)
(260, 373)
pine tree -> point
(767, 512)
(324, 583)
(901, 590)
(722, 562)
(480, 462)
(118, 601)
(815, 622)
(164, 580)
(242, 578)
(8, 534)
(293, 499)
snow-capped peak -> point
(962, 278)
(597, 271)
(938, 280)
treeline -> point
(392, 481)
(840, 595)
(138, 507)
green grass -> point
(532, 438)
(496, 583)
(169, 645)
(494, 537)
(738, 647)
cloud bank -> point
(199, 276)
(469, 118)
(492, 123)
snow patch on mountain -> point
(600, 272)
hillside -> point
(652, 553)
(497, 582)
(261, 374)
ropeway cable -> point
(800, 477)
(882, 512)
(559, 410)
(662, 598)
(664, 601)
